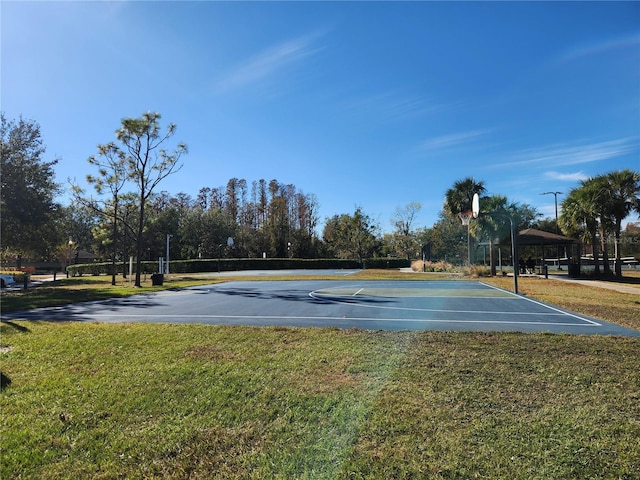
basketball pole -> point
(465, 218)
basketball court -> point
(373, 305)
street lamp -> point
(69, 257)
(555, 197)
(167, 261)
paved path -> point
(618, 287)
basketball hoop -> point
(465, 218)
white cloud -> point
(597, 48)
(395, 105)
(566, 177)
(451, 140)
(268, 63)
(563, 154)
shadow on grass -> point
(20, 328)
(5, 381)
(611, 278)
(81, 312)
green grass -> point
(84, 400)
(82, 289)
(192, 401)
(608, 305)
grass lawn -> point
(83, 400)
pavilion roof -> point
(532, 236)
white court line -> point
(546, 306)
(411, 309)
(357, 292)
(361, 319)
(477, 312)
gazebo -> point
(532, 237)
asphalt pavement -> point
(374, 305)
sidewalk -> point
(618, 287)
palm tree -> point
(622, 196)
(599, 205)
(579, 216)
(459, 197)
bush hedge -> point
(239, 264)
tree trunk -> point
(114, 239)
(139, 241)
(618, 254)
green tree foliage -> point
(631, 240)
(403, 238)
(351, 236)
(447, 240)
(598, 206)
(495, 229)
(579, 217)
(112, 177)
(202, 231)
(622, 196)
(29, 215)
(459, 197)
(494, 223)
(271, 218)
(547, 224)
(147, 163)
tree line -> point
(124, 213)
(594, 212)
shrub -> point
(441, 266)
(236, 264)
(18, 275)
(480, 271)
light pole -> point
(69, 257)
(555, 197)
(167, 261)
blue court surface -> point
(372, 305)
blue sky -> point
(371, 104)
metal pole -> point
(468, 247)
(555, 199)
(514, 254)
(167, 258)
